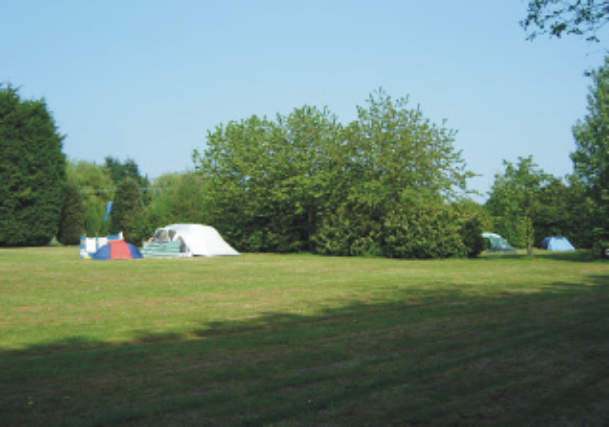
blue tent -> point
(557, 243)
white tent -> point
(195, 239)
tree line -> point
(389, 183)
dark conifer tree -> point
(127, 210)
(72, 217)
(32, 171)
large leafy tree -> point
(566, 209)
(553, 215)
(514, 201)
(559, 17)
(584, 214)
(398, 146)
(591, 155)
(32, 171)
(401, 169)
(267, 181)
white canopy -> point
(199, 240)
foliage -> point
(72, 217)
(573, 209)
(591, 156)
(558, 208)
(566, 210)
(32, 171)
(423, 228)
(402, 169)
(128, 211)
(96, 189)
(118, 171)
(355, 228)
(474, 220)
(600, 247)
(305, 182)
(267, 182)
(176, 198)
(558, 17)
(584, 214)
(397, 147)
(514, 201)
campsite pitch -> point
(302, 339)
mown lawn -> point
(301, 339)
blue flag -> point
(108, 209)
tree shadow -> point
(574, 256)
(581, 255)
(445, 357)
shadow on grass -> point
(582, 255)
(447, 358)
(575, 256)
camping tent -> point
(90, 245)
(194, 240)
(497, 243)
(117, 249)
(557, 243)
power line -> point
(98, 190)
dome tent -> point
(497, 243)
(557, 243)
(187, 240)
(90, 245)
(117, 249)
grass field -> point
(301, 339)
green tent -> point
(497, 243)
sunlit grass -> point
(302, 339)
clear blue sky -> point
(146, 79)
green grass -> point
(301, 339)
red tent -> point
(117, 249)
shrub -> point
(474, 219)
(423, 230)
